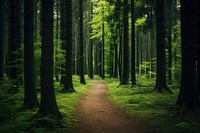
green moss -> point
(153, 108)
(14, 119)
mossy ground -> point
(153, 108)
(15, 119)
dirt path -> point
(96, 114)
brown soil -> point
(96, 114)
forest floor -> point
(96, 114)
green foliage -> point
(15, 119)
(153, 108)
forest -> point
(99, 66)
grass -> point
(14, 119)
(153, 108)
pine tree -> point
(30, 97)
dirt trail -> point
(96, 114)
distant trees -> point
(99, 28)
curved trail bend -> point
(96, 114)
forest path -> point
(96, 114)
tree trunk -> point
(188, 95)
(125, 62)
(90, 48)
(81, 56)
(198, 45)
(169, 21)
(103, 45)
(14, 42)
(63, 38)
(111, 61)
(133, 72)
(160, 76)
(1, 40)
(116, 60)
(30, 97)
(68, 87)
(57, 64)
(120, 54)
(48, 105)
(100, 58)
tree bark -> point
(188, 95)
(90, 48)
(30, 96)
(1, 40)
(133, 71)
(81, 56)
(14, 41)
(160, 75)
(103, 45)
(125, 62)
(68, 87)
(63, 38)
(48, 105)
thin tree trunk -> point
(63, 38)
(133, 71)
(57, 44)
(1, 40)
(103, 45)
(81, 56)
(90, 48)
(120, 54)
(111, 61)
(116, 60)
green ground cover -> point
(15, 119)
(153, 108)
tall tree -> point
(68, 87)
(30, 97)
(90, 48)
(198, 45)
(57, 63)
(133, 72)
(1, 40)
(160, 75)
(48, 105)
(15, 39)
(125, 62)
(81, 56)
(63, 37)
(103, 45)
(188, 95)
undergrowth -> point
(153, 108)
(15, 119)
